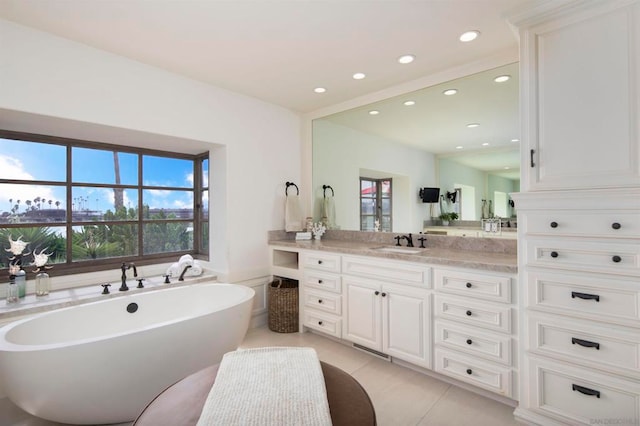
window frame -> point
(378, 202)
(140, 259)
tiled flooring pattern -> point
(400, 396)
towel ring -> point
(286, 191)
(324, 191)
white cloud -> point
(12, 168)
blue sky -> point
(37, 161)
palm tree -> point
(57, 204)
(118, 193)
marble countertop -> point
(473, 259)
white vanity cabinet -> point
(579, 213)
(321, 292)
(388, 307)
(475, 328)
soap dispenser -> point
(21, 282)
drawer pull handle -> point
(469, 371)
(319, 262)
(468, 313)
(377, 292)
(468, 285)
(554, 224)
(585, 391)
(554, 254)
(469, 341)
(319, 322)
(319, 300)
(532, 152)
(585, 343)
(616, 259)
(384, 294)
(319, 281)
(585, 296)
(616, 225)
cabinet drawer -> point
(579, 396)
(324, 301)
(473, 341)
(603, 299)
(481, 314)
(321, 261)
(623, 259)
(613, 349)
(322, 281)
(489, 287)
(495, 378)
(323, 322)
(391, 271)
(583, 223)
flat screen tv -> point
(430, 195)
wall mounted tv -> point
(430, 195)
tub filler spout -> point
(124, 267)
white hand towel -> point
(292, 214)
(187, 259)
(174, 270)
(329, 212)
(195, 270)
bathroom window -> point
(93, 206)
(375, 204)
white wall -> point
(346, 152)
(52, 85)
(451, 173)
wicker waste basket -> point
(283, 305)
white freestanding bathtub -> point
(102, 362)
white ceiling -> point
(278, 50)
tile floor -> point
(400, 396)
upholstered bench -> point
(181, 403)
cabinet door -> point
(362, 321)
(581, 100)
(406, 330)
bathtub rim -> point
(8, 346)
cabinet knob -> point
(469, 371)
(616, 225)
(554, 224)
(319, 281)
(469, 341)
(616, 259)
(469, 285)
(319, 322)
(554, 254)
(377, 292)
(319, 300)
(468, 313)
(384, 294)
(319, 262)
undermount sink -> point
(396, 249)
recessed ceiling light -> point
(406, 59)
(472, 125)
(359, 76)
(515, 140)
(459, 147)
(502, 78)
(485, 144)
(409, 103)
(469, 36)
(374, 112)
(319, 90)
(450, 92)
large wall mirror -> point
(461, 136)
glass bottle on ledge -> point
(43, 284)
(21, 282)
(12, 291)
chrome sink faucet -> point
(124, 267)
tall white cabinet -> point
(579, 213)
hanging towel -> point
(329, 212)
(293, 214)
(268, 386)
(435, 210)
